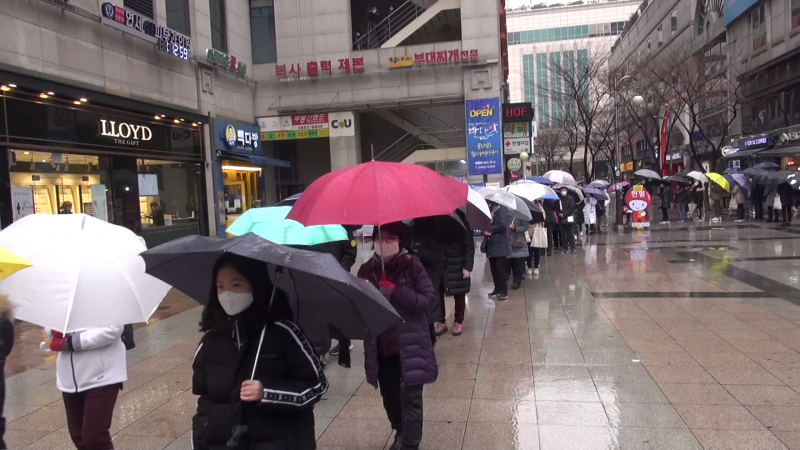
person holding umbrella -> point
(519, 250)
(681, 197)
(567, 216)
(740, 195)
(551, 208)
(665, 192)
(255, 372)
(498, 248)
(460, 262)
(427, 239)
(401, 360)
(786, 194)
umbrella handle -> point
(278, 271)
(258, 352)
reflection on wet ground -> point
(633, 343)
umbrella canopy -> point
(271, 224)
(10, 264)
(540, 180)
(647, 173)
(699, 176)
(618, 186)
(477, 211)
(532, 191)
(516, 206)
(794, 181)
(85, 273)
(677, 179)
(560, 177)
(321, 293)
(772, 178)
(719, 180)
(767, 166)
(741, 180)
(752, 171)
(595, 192)
(599, 184)
(289, 201)
(377, 193)
(574, 191)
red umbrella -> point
(377, 193)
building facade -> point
(544, 41)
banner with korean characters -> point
(298, 126)
(515, 146)
(484, 141)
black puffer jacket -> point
(287, 367)
(426, 240)
(460, 257)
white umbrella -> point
(647, 173)
(574, 189)
(516, 206)
(530, 190)
(560, 177)
(85, 273)
(697, 175)
(477, 211)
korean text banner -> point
(484, 138)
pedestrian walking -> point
(426, 240)
(6, 345)
(460, 260)
(681, 197)
(255, 372)
(551, 222)
(90, 370)
(402, 359)
(740, 195)
(665, 193)
(590, 213)
(498, 248)
(517, 231)
(567, 222)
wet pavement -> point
(678, 338)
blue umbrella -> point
(595, 192)
(289, 201)
(741, 179)
(767, 166)
(540, 180)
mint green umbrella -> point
(271, 224)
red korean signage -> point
(315, 69)
(445, 57)
(309, 121)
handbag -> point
(776, 204)
(539, 236)
(518, 241)
(484, 244)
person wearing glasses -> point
(401, 360)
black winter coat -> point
(426, 240)
(550, 207)
(287, 367)
(460, 257)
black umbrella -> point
(767, 166)
(677, 179)
(752, 171)
(794, 181)
(321, 293)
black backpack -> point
(127, 337)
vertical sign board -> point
(484, 138)
(517, 118)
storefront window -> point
(790, 163)
(759, 21)
(168, 193)
(795, 14)
(243, 186)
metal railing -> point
(391, 24)
(423, 138)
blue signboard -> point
(237, 137)
(735, 8)
(484, 138)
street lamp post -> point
(637, 100)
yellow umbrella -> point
(719, 180)
(10, 264)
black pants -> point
(534, 256)
(344, 348)
(518, 269)
(552, 237)
(786, 213)
(758, 205)
(499, 268)
(567, 237)
(664, 214)
(740, 211)
(403, 404)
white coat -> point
(98, 360)
(590, 211)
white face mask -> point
(235, 302)
(386, 250)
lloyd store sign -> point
(307, 126)
(124, 133)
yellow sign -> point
(396, 62)
(292, 135)
(626, 167)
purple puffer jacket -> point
(413, 297)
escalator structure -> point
(438, 127)
(415, 22)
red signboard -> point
(310, 119)
(517, 112)
(638, 202)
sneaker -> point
(502, 297)
(574, 251)
(536, 271)
(530, 271)
(492, 294)
(563, 252)
(335, 350)
(441, 328)
(457, 329)
(516, 285)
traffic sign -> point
(514, 164)
(515, 146)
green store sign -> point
(226, 62)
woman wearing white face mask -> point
(255, 372)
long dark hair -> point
(257, 274)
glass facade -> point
(556, 74)
(565, 33)
(262, 31)
(583, 74)
(543, 97)
(528, 81)
(569, 73)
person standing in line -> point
(90, 370)
(740, 195)
(551, 222)
(786, 194)
(402, 359)
(665, 192)
(567, 222)
(426, 240)
(758, 201)
(772, 200)
(6, 345)
(255, 373)
(698, 197)
(498, 249)
(535, 253)
(459, 264)
(590, 214)
(680, 201)
(519, 250)
(717, 195)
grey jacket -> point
(521, 227)
(498, 245)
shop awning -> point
(778, 152)
(744, 153)
(259, 160)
